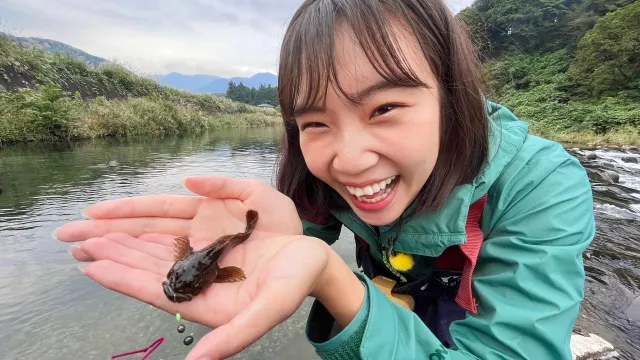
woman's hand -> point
(219, 210)
(281, 272)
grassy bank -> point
(47, 97)
(540, 89)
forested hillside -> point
(265, 94)
(569, 67)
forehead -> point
(358, 62)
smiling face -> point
(382, 104)
(379, 151)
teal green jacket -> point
(529, 277)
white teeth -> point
(372, 189)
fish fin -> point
(182, 248)
(230, 274)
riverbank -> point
(542, 90)
(47, 114)
(616, 138)
(50, 97)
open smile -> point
(374, 196)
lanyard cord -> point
(387, 253)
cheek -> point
(315, 158)
(418, 150)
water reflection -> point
(48, 310)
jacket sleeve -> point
(528, 281)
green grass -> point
(540, 90)
(619, 137)
(51, 97)
(46, 114)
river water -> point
(49, 310)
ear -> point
(182, 248)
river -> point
(49, 310)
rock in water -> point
(615, 178)
(188, 340)
(630, 159)
(591, 347)
(592, 156)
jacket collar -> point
(429, 234)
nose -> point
(354, 153)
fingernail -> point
(82, 266)
(85, 213)
(72, 247)
(54, 233)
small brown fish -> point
(195, 271)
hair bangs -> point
(308, 63)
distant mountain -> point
(54, 46)
(187, 82)
(211, 84)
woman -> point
(479, 225)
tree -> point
(608, 56)
(265, 94)
(515, 25)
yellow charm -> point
(401, 261)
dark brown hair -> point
(307, 69)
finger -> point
(161, 239)
(86, 229)
(167, 206)
(269, 309)
(220, 187)
(80, 255)
(105, 249)
(158, 251)
(138, 284)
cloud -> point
(221, 37)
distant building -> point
(266, 106)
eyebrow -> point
(362, 95)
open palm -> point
(281, 272)
(220, 209)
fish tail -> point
(252, 221)
(237, 239)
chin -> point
(383, 218)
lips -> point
(374, 196)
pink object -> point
(147, 351)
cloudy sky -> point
(220, 37)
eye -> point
(307, 125)
(385, 109)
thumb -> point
(263, 314)
(222, 187)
